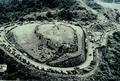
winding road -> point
(89, 57)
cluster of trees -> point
(14, 69)
(109, 66)
(17, 9)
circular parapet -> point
(53, 47)
(56, 44)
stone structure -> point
(59, 38)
